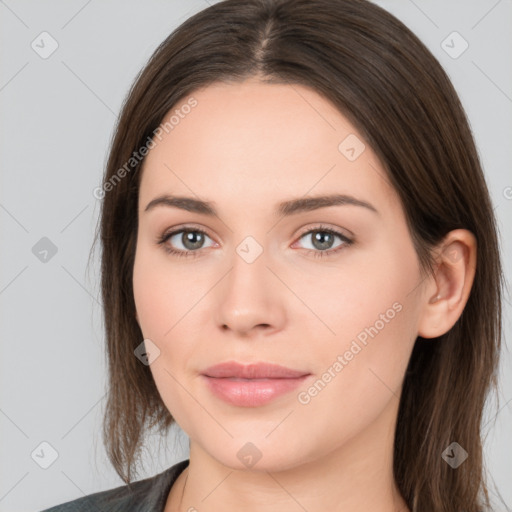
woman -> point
(300, 267)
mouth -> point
(251, 385)
(233, 369)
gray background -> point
(57, 117)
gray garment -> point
(149, 495)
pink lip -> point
(252, 371)
(253, 384)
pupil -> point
(192, 239)
(322, 240)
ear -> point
(448, 289)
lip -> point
(252, 371)
(251, 385)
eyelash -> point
(316, 253)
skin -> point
(246, 147)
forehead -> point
(259, 143)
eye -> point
(191, 239)
(322, 239)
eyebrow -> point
(286, 208)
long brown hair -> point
(387, 83)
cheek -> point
(360, 376)
(364, 299)
(162, 294)
(169, 309)
(162, 301)
(374, 317)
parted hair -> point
(394, 91)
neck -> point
(357, 476)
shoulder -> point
(148, 494)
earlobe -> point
(449, 287)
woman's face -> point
(261, 285)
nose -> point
(250, 299)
